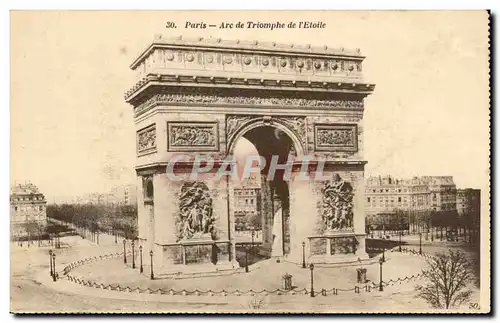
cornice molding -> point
(238, 83)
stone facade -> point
(28, 210)
(426, 193)
(469, 206)
(199, 97)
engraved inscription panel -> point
(335, 137)
(189, 136)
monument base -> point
(338, 247)
(197, 256)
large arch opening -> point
(262, 204)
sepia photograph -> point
(250, 162)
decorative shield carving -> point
(195, 212)
(337, 204)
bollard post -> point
(54, 267)
(381, 286)
(253, 244)
(140, 268)
(303, 254)
(152, 274)
(124, 252)
(50, 261)
(133, 254)
(400, 233)
(420, 244)
(311, 267)
(246, 259)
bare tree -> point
(448, 275)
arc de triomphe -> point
(198, 97)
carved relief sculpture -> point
(296, 124)
(190, 98)
(335, 137)
(146, 140)
(184, 136)
(195, 212)
(343, 245)
(235, 122)
(337, 204)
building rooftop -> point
(211, 62)
(416, 180)
(24, 189)
(252, 45)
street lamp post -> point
(253, 241)
(140, 257)
(246, 259)
(303, 254)
(124, 252)
(50, 261)
(383, 253)
(54, 266)
(381, 286)
(151, 255)
(400, 241)
(133, 254)
(311, 266)
(420, 243)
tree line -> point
(91, 219)
(443, 222)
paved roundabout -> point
(109, 273)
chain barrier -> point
(414, 252)
(78, 263)
(367, 288)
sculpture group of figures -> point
(188, 97)
(192, 136)
(337, 204)
(147, 139)
(196, 213)
(335, 137)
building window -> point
(399, 199)
(15, 208)
(41, 208)
(368, 199)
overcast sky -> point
(72, 132)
